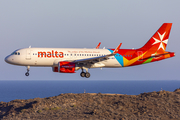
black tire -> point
(87, 75)
(83, 74)
(27, 74)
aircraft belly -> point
(44, 62)
(38, 62)
(111, 63)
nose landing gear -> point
(85, 74)
(27, 73)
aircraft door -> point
(28, 55)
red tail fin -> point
(159, 40)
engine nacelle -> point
(55, 69)
(65, 67)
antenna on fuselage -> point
(30, 46)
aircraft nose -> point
(7, 59)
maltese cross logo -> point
(161, 41)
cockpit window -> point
(15, 53)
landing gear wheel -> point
(27, 74)
(83, 74)
(87, 75)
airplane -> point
(69, 60)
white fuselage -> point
(50, 57)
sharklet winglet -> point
(117, 49)
(98, 45)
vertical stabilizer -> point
(159, 40)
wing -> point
(100, 58)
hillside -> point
(153, 105)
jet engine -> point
(65, 67)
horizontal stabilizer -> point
(158, 55)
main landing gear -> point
(85, 74)
(27, 73)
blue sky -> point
(83, 24)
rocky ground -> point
(162, 105)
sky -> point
(83, 24)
